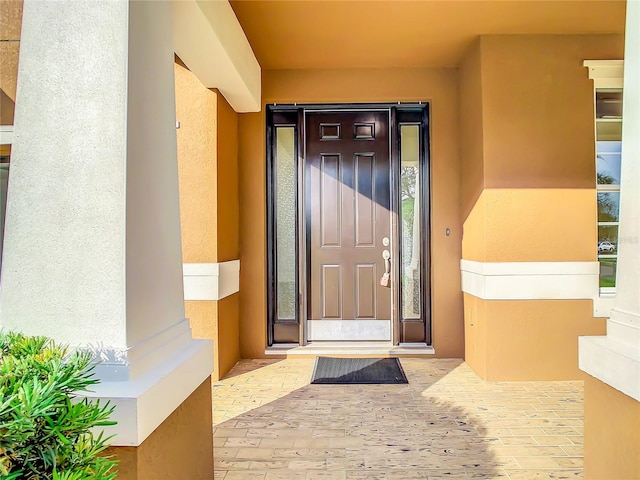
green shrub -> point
(45, 429)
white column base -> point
(614, 363)
(144, 402)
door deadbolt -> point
(385, 242)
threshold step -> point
(352, 349)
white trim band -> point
(211, 281)
(530, 280)
(6, 135)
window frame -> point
(606, 75)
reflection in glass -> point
(608, 271)
(5, 154)
(285, 186)
(608, 167)
(410, 214)
(609, 103)
(608, 206)
(607, 238)
(608, 162)
(609, 114)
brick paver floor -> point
(446, 423)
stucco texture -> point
(183, 442)
(439, 87)
(209, 208)
(611, 433)
(520, 340)
(527, 124)
(196, 110)
(528, 192)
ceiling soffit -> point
(305, 34)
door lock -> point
(385, 242)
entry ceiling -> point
(304, 34)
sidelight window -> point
(608, 163)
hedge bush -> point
(45, 428)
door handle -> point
(386, 255)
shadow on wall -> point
(356, 431)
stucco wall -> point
(471, 129)
(209, 208)
(439, 87)
(611, 433)
(182, 443)
(534, 135)
(196, 110)
(228, 243)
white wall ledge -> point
(530, 280)
(211, 281)
(615, 363)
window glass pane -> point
(410, 214)
(608, 271)
(608, 162)
(609, 103)
(609, 114)
(5, 154)
(285, 185)
(608, 206)
(607, 239)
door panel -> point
(348, 198)
(366, 279)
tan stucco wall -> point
(181, 447)
(439, 86)
(611, 433)
(228, 343)
(475, 332)
(534, 134)
(196, 110)
(471, 130)
(533, 131)
(209, 209)
(10, 25)
(531, 225)
(537, 339)
(527, 339)
(538, 109)
(228, 247)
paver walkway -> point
(271, 424)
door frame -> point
(292, 331)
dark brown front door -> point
(348, 223)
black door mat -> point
(345, 371)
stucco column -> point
(615, 359)
(92, 252)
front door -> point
(348, 224)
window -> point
(607, 77)
(608, 156)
